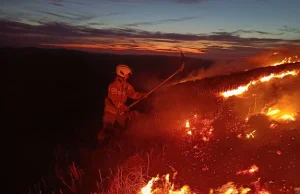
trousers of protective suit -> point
(112, 117)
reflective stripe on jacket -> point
(118, 92)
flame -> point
(264, 192)
(245, 190)
(230, 188)
(277, 114)
(163, 185)
(250, 171)
(272, 112)
(242, 89)
(292, 59)
(236, 92)
(280, 75)
(147, 189)
(287, 117)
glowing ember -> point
(250, 171)
(280, 115)
(259, 188)
(163, 185)
(199, 128)
(250, 135)
(273, 125)
(241, 89)
(293, 59)
(278, 152)
(187, 124)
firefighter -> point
(115, 110)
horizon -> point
(203, 29)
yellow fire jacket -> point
(118, 92)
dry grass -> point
(72, 178)
(129, 177)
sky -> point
(204, 28)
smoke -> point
(229, 66)
(219, 67)
(275, 55)
(289, 104)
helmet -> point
(123, 70)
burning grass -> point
(162, 185)
(214, 149)
(291, 59)
(244, 88)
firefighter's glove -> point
(145, 95)
(124, 108)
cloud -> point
(288, 29)
(190, 1)
(241, 31)
(159, 22)
(64, 29)
(63, 2)
(75, 2)
(95, 23)
(56, 4)
(116, 13)
(171, 1)
(68, 16)
(222, 44)
(166, 40)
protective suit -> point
(115, 110)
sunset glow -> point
(151, 27)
